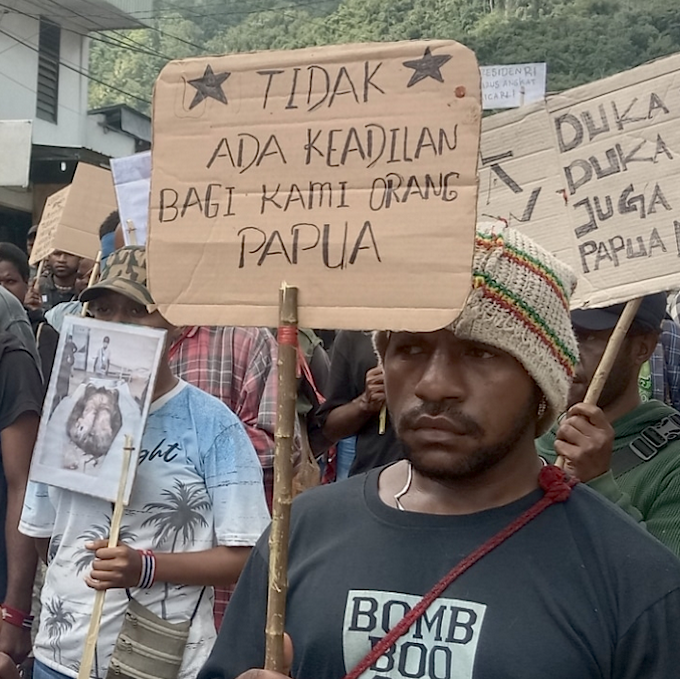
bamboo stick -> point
(609, 356)
(382, 423)
(116, 520)
(94, 275)
(283, 477)
(132, 232)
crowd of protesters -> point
(449, 439)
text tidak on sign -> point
(346, 171)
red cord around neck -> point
(557, 486)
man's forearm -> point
(346, 420)
(22, 557)
(220, 566)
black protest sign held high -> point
(348, 172)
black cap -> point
(650, 314)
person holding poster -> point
(625, 449)
(547, 579)
(197, 507)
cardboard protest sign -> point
(617, 142)
(519, 177)
(72, 216)
(512, 85)
(132, 181)
(346, 171)
(47, 228)
(99, 393)
(593, 176)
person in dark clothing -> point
(471, 558)
(58, 285)
(14, 276)
(356, 396)
(20, 404)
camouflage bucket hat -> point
(125, 273)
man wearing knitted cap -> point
(470, 558)
(627, 450)
(197, 507)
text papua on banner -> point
(594, 176)
(348, 172)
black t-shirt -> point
(353, 356)
(20, 392)
(581, 592)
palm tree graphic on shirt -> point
(179, 516)
(100, 532)
(57, 621)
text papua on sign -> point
(594, 176)
(347, 171)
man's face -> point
(591, 346)
(63, 264)
(459, 406)
(117, 308)
(11, 280)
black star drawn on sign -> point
(427, 67)
(210, 85)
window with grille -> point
(48, 70)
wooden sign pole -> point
(283, 478)
(116, 520)
(132, 232)
(609, 356)
(612, 351)
(93, 279)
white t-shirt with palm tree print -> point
(198, 485)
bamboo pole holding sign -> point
(283, 477)
(94, 275)
(116, 520)
(609, 356)
(612, 351)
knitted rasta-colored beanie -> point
(519, 303)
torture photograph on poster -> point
(99, 393)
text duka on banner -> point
(348, 172)
(594, 176)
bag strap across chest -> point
(646, 445)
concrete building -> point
(45, 125)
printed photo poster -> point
(347, 171)
(99, 393)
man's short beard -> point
(481, 459)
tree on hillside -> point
(581, 40)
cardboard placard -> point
(47, 228)
(346, 171)
(512, 85)
(132, 181)
(72, 216)
(594, 176)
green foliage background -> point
(581, 40)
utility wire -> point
(78, 71)
(112, 42)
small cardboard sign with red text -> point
(71, 217)
(348, 171)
